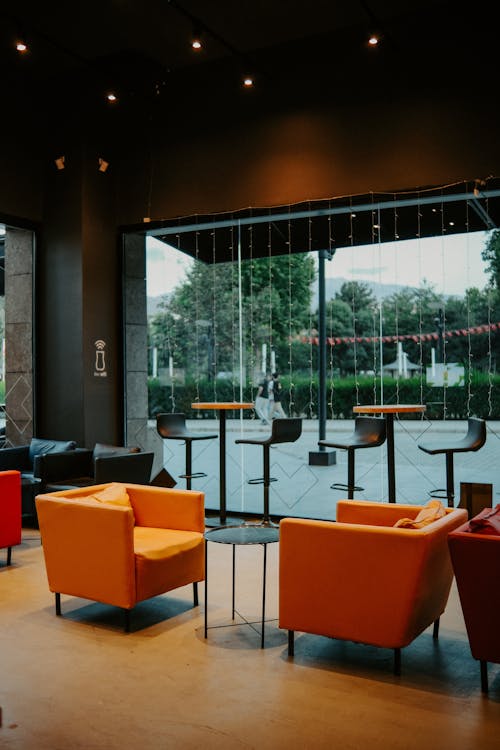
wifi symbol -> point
(100, 344)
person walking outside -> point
(275, 405)
(262, 399)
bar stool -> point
(173, 427)
(473, 441)
(286, 430)
(368, 433)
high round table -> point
(389, 410)
(222, 407)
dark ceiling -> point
(141, 50)
(142, 47)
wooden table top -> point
(388, 408)
(222, 405)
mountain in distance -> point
(332, 286)
(153, 304)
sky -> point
(451, 264)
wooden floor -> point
(79, 682)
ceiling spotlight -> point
(60, 162)
(111, 97)
(248, 81)
(103, 165)
(196, 41)
(373, 39)
(21, 46)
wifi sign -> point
(100, 360)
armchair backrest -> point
(40, 446)
(128, 467)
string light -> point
(311, 335)
(197, 307)
(291, 402)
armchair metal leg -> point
(291, 643)
(195, 594)
(484, 676)
(435, 630)
(9, 555)
(58, 604)
(450, 480)
(397, 661)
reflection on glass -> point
(407, 322)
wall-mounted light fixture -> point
(60, 162)
(103, 164)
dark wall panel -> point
(308, 152)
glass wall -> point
(413, 321)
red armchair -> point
(475, 557)
(10, 510)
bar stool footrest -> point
(345, 487)
(439, 494)
(198, 475)
(261, 480)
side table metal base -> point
(241, 534)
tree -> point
(491, 255)
(199, 323)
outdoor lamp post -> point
(439, 323)
(208, 339)
(322, 457)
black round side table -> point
(241, 535)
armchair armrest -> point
(168, 508)
(96, 560)
(15, 458)
(54, 467)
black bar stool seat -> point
(286, 430)
(472, 441)
(369, 432)
(173, 427)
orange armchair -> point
(10, 510)
(361, 579)
(122, 543)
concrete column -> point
(19, 336)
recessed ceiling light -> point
(21, 46)
(248, 81)
(373, 40)
(111, 97)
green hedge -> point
(302, 398)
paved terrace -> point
(303, 490)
